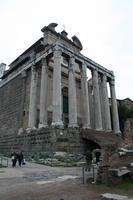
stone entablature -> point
(36, 67)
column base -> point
(20, 131)
(108, 130)
(57, 124)
(43, 125)
(117, 133)
(99, 129)
(73, 126)
(29, 129)
(86, 126)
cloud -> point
(105, 29)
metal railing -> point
(89, 172)
(4, 161)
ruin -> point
(46, 100)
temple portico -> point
(102, 119)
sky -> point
(105, 28)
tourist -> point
(88, 158)
(14, 159)
(97, 156)
(20, 158)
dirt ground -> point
(38, 182)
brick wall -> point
(42, 140)
(128, 131)
(11, 106)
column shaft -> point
(115, 118)
(97, 105)
(85, 97)
(33, 98)
(72, 94)
(107, 119)
(44, 94)
(57, 107)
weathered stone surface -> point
(108, 196)
(44, 95)
(11, 106)
(85, 97)
(128, 131)
(97, 104)
(57, 109)
(72, 94)
(115, 117)
(23, 106)
(42, 140)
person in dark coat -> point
(88, 158)
(14, 159)
(97, 155)
(20, 158)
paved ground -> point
(38, 182)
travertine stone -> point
(72, 94)
(105, 100)
(97, 105)
(85, 99)
(33, 98)
(109, 196)
(128, 131)
(115, 118)
(44, 94)
(57, 107)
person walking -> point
(88, 159)
(14, 159)
(20, 158)
(97, 155)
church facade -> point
(46, 94)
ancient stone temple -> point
(46, 98)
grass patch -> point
(125, 184)
(73, 163)
(2, 166)
(39, 162)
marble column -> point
(33, 98)
(105, 99)
(115, 118)
(72, 94)
(97, 105)
(44, 94)
(85, 97)
(57, 98)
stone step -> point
(109, 196)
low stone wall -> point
(42, 140)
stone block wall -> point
(42, 140)
(128, 131)
(11, 106)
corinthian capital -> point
(44, 62)
(71, 64)
(57, 51)
(112, 82)
(84, 70)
